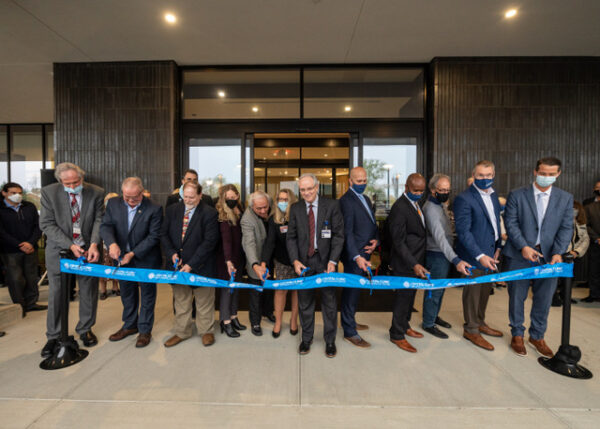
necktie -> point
(311, 231)
(186, 222)
(540, 214)
(76, 219)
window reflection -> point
(26, 159)
(218, 162)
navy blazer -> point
(474, 230)
(143, 236)
(521, 222)
(359, 229)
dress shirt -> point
(10, 206)
(487, 201)
(542, 198)
(362, 199)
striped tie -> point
(76, 219)
(186, 222)
(311, 231)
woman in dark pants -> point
(275, 248)
(230, 256)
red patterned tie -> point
(311, 231)
(186, 221)
(75, 214)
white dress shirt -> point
(417, 208)
(542, 198)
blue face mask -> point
(359, 189)
(283, 205)
(413, 197)
(484, 183)
(545, 181)
(181, 192)
(76, 190)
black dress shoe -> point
(330, 350)
(442, 323)
(304, 348)
(228, 329)
(435, 332)
(48, 349)
(237, 325)
(556, 300)
(276, 334)
(293, 331)
(257, 330)
(590, 299)
(270, 317)
(2, 333)
(36, 307)
(89, 339)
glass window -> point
(26, 159)
(388, 162)
(3, 156)
(241, 94)
(363, 93)
(217, 161)
(49, 146)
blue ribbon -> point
(318, 281)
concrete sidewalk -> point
(263, 382)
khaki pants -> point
(205, 309)
(475, 300)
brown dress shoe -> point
(360, 327)
(143, 340)
(358, 342)
(404, 345)
(541, 347)
(122, 333)
(412, 333)
(208, 339)
(485, 329)
(478, 340)
(173, 341)
(518, 347)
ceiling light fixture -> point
(221, 94)
(347, 108)
(511, 13)
(255, 109)
(170, 18)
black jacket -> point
(275, 244)
(408, 237)
(17, 227)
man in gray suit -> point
(254, 233)
(539, 224)
(70, 217)
(315, 240)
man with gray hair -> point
(70, 217)
(131, 229)
(440, 252)
(254, 225)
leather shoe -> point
(2, 333)
(304, 348)
(257, 330)
(235, 322)
(517, 345)
(89, 339)
(433, 330)
(122, 333)
(48, 349)
(208, 339)
(358, 342)
(270, 317)
(541, 347)
(36, 307)
(412, 333)
(229, 330)
(293, 331)
(478, 340)
(485, 329)
(143, 340)
(173, 341)
(404, 345)
(442, 323)
(360, 327)
(590, 299)
(330, 350)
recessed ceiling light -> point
(347, 108)
(221, 94)
(511, 13)
(170, 18)
(255, 109)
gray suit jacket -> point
(520, 219)
(254, 235)
(56, 223)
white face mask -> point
(16, 198)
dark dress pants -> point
(594, 273)
(403, 304)
(22, 277)
(138, 301)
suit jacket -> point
(144, 235)
(297, 242)
(254, 235)
(175, 198)
(521, 222)
(408, 237)
(56, 221)
(592, 212)
(198, 248)
(359, 229)
(474, 230)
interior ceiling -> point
(36, 33)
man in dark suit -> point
(592, 212)
(131, 231)
(406, 229)
(70, 217)
(189, 176)
(596, 196)
(315, 240)
(539, 224)
(189, 237)
(477, 220)
(361, 237)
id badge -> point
(283, 229)
(76, 230)
(326, 233)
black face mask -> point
(597, 192)
(231, 204)
(442, 198)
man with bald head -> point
(361, 238)
(131, 231)
(408, 236)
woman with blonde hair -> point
(275, 247)
(107, 260)
(230, 257)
